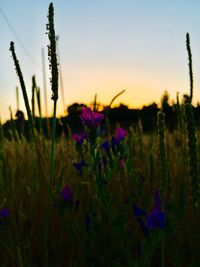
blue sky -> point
(105, 46)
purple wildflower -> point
(155, 219)
(138, 211)
(5, 212)
(79, 165)
(90, 118)
(120, 134)
(79, 138)
(105, 145)
(66, 194)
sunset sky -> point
(105, 46)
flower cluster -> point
(120, 135)
(79, 138)
(90, 118)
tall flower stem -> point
(50, 185)
(54, 87)
(164, 171)
(190, 65)
(194, 174)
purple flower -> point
(79, 165)
(66, 194)
(5, 212)
(90, 118)
(155, 219)
(113, 143)
(79, 138)
(138, 211)
(120, 134)
(105, 145)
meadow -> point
(103, 196)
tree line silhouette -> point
(146, 116)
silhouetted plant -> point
(190, 65)
(164, 171)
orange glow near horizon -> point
(81, 85)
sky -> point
(105, 46)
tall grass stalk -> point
(193, 157)
(33, 95)
(140, 137)
(190, 65)
(21, 79)
(179, 114)
(45, 93)
(194, 174)
(164, 171)
(39, 101)
(95, 103)
(39, 107)
(54, 88)
(28, 110)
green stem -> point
(163, 250)
(50, 187)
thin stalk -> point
(164, 171)
(163, 250)
(39, 109)
(33, 96)
(30, 118)
(193, 156)
(194, 174)
(50, 190)
(54, 87)
(116, 96)
(190, 65)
